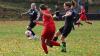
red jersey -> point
(82, 11)
(82, 15)
(48, 21)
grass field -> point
(84, 41)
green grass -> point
(84, 41)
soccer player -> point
(33, 18)
(66, 29)
(83, 16)
(48, 30)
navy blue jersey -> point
(69, 19)
(33, 14)
(66, 29)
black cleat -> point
(63, 46)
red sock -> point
(54, 43)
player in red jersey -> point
(48, 30)
(83, 16)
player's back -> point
(48, 20)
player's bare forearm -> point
(40, 23)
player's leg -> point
(65, 33)
(79, 22)
(44, 46)
(58, 34)
(50, 41)
(30, 26)
(55, 43)
(73, 27)
(88, 21)
(30, 29)
(63, 45)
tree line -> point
(37, 1)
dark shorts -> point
(65, 30)
(31, 25)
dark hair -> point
(68, 4)
(73, 3)
(43, 7)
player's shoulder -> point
(69, 11)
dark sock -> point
(64, 44)
(63, 47)
(55, 39)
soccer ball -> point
(28, 33)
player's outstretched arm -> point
(25, 12)
(39, 23)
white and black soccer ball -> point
(28, 33)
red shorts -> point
(48, 34)
(83, 17)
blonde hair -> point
(33, 4)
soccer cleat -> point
(63, 46)
(63, 49)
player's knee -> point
(58, 33)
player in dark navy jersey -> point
(33, 17)
(66, 29)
